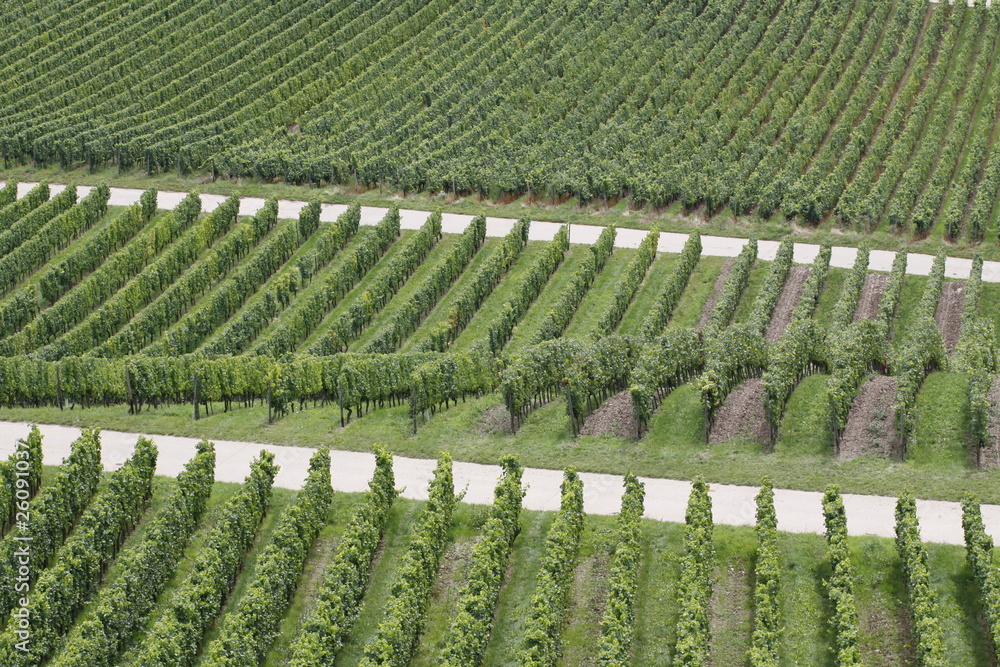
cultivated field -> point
(880, 114)
(132, 569)
(221, 326)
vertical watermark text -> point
(22, 552)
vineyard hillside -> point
(877, 115)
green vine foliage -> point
(665, 362)
(614, 648)
(54, 513)
(927, 631)
(603, 368)
(34, 249)
(446, 378)
(847, 302)
(855, 352)
(768, 628)
(342, 589)
(15, 211)
(979, 556)
(840, 585)
(472, 296)
(670, 294)
(302, 311)
(469, 632)
(725, 305)
(543, 644)
(62, 590)
(694, 589)
(569, 300)
(124, 605)
(226, 255)
(398, 632)
(178, 632)
(411, 312)
(348, 326)
(96, 272)
(20, 477)
(770, 291)
(629, 282)
(527, 291)
(249, 630)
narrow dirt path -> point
(949, 312)
(871, 295)
(791, 294)
(720, 282)
(615, 417)
(742, 415)
(871, 426)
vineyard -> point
(876, 115)
(135, 313)
(132, 569)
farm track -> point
(918, 264)
(798, 511)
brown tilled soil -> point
(871, 294)
(615, 417)
(949, 312)
(494, 420)
(742, 415)
(791, 294)
(871, 426)
(991, 455)
(720, 282)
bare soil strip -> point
(991, 453)
(871, 426)
(791, 294)
(615, 417)
(742, 415)
(871, 294)
(949, 312)
(495, 420)
(720, 282)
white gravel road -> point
(712, 246)
(666, 499)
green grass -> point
(549, 297)
(832, 287)
(599, 296)
(440, 312)
(479, 326)
(906, 311)
(402, 520)
(514, 605)
(940, 437)
(322, 553)
(757, 276)
(452, 576)
(413, 283)
(805, 426)
(699, 288)
(645, 296)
